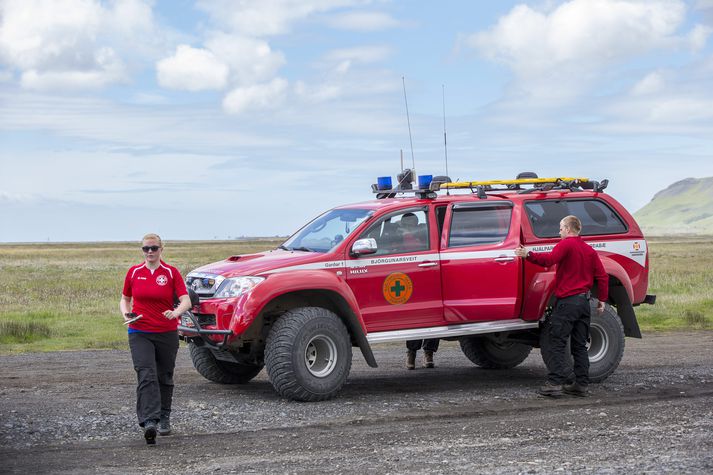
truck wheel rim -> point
(598, 344)
(321, 356)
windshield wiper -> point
(302, 248)
(281, 246)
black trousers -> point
(154, 357)
(430, 344)
(570, 318)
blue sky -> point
(212, 119)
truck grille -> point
(205, 318)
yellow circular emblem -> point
(397, 288)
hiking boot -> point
(150, 432)
(550, 390)
(576, 389)
(410, 359)
(164, 425)
(428, 359)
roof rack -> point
(538, 185)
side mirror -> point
(363, 247)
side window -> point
(399, 233)
(545, 217)
(596, 216)
(481, 225)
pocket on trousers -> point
(558, 330)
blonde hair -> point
(573, 223)
(153, 236)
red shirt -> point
(578, 265)
(152, 294)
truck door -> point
(481, 277)
(399, 287)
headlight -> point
(237, 286)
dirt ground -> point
(72, 412)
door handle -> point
(504, 259)
(428, 264)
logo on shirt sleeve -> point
(161, 280)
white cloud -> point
(251, 60)
(266, 17)
(363, 21)
(362, 54)
(318, 93)
(8, 197)
(192, 69)
(108, 69)
(236, 38)
(667, 113)
(258, 96)
(557, 53)
(699, 36)
(651, 83)
(78, 43)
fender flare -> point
(320, 281)
(621, 294)
(614, 269)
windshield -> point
(327, 230)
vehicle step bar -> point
(451, 331)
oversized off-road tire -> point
(490, 354)
(308, 354)
(606, 344)
(223, 372)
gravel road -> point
(72, 412)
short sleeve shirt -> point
(153, 293)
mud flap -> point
(625, 311)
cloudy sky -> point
(203, 119)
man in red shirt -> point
(578, 267)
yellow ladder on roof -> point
(521, 181)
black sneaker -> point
(150, 432)
(550, 390)
(164, 426)
(576, 389)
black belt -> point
(586, 295)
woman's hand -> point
(171, 314)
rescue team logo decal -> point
(397, 288)
(161, 280)
(636, 246)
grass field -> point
(65, 296)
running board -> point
(451, 331)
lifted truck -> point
(414, 263)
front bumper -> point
(191, 328)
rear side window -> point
(596, 216)
(480, 225)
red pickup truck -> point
(414, 263)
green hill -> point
(685, 207)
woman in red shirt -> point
(146, 304)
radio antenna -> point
(445, 141)
(408, 121)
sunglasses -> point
(150, 248)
